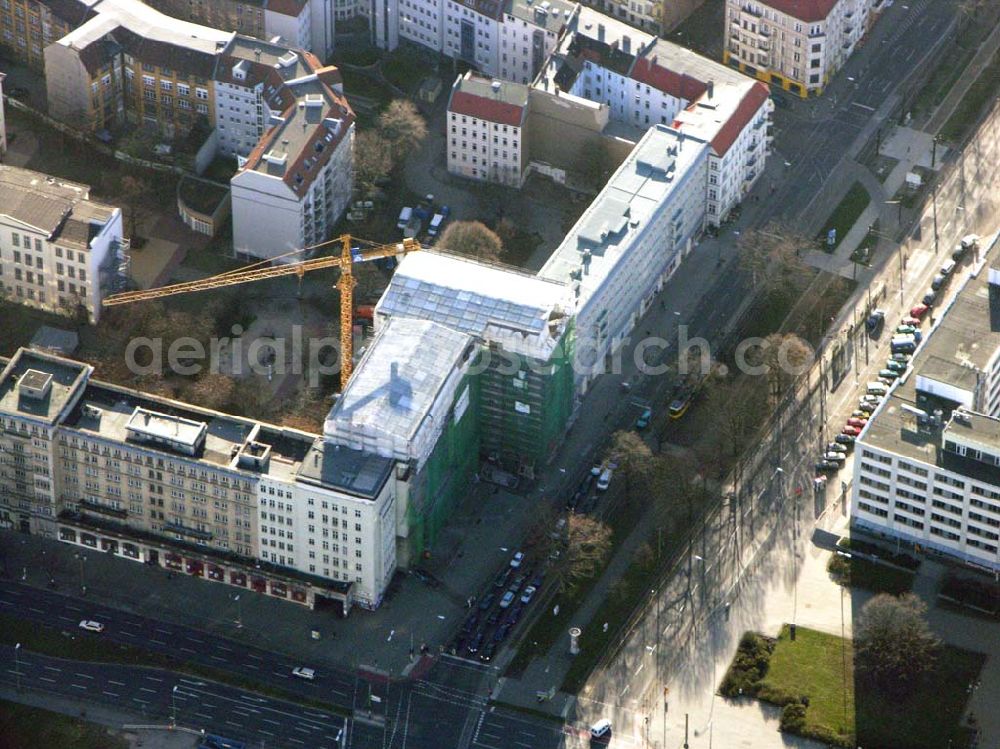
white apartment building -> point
(230, 500)
(297, 180)
(529, 32)
(796, 44)
(629, 242)
(59, 250)
(486, 130)
(645, 81)
(927, 464)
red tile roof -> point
(484, 108)
(679, 85)
(804, 10)
(748, 106)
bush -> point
(749, 666)
(972, 592)
(776, 695)
(793, 717)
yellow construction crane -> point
(264, 270)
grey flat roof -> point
(961, 344)
(67, 378)
(552, 15)
(354, 472)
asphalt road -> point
(440, 711)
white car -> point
(528, 593)
(605, 480)
(91, 626)
(601, 729)
(304, 673)
(507, 600)
(516, 561)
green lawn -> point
(845, 215)
(24, 726)
(862, 573)
(815, 665)
(968, 111)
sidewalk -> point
(979, 61)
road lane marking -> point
(221, 647)
(268, 720)
(46, 678)
(110, 694)
(261, 730)
(255, 657)
(192, 639)
(153, 678)
(187, 650)
(116, 683)
(231, 723)
(84, 676)
(283, 676)
(250, 665)
(128, 634)
(218, 658)
(301, 729)
(66, 619)
(158, 642)
(52, 668)
(136, 699)
(77, 686)
(292, 738)
(145, 689)
(37, 611)
(202, 715)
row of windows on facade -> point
(934, 530)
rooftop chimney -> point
(600, 32)
(626, 45)
(711, 89)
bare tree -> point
(772, 256)
(211, 390)
(894, 646)
(135, 196)
(784, 356)
(739, 406)
(472, 238)
(372, 160)
(633, 456)
(588, 543)
(402, 127)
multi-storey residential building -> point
(59, 250)
(486, 130)
(27, 27)
(529, 32)
(794, 44)
(297, 180)
(3, 121)
(629, 242)
(927, 464)
(130, 62)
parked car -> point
(888, 374)
(919, 311)
(906, 330)
(508, 599)
(827, 466)
(538, 579)
(844, 439)
(516, 560)
(602, 728)
(947, 268)
(527, 594)
(475, 643)
(896, 366)
(913, 322)
(851, 430)
(304, 673)
(470, 623)
(488, 651)
(937, 282)
(856, 422)
(643, 421)
(836, 447)
(836, 457)
(502, 632)
(486, 602)
(605, 480)
(518, 582)
(404, 217)
(867, 408)
(515, 614)
(875, 321)
(901, 357)
(929, 297)
(494, 617)
(869, 398)
(502, 578)
(91, 626)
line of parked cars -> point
(413, 219)
(499, 609)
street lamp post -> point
(17, 665)
(81, 558)
(173, 706)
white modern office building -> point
(927, 465)
(629, 242)
(796, 44)
(59, 250)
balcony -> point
(751, 161)
(764, 46)
(88, 506)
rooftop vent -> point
(495, 86)
(34, 385)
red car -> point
(853, 431)
(854, 421)
(919, 311)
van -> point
(604, 481)
(877, 388)
(947, 268)
(404, 217)
(435, 225)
